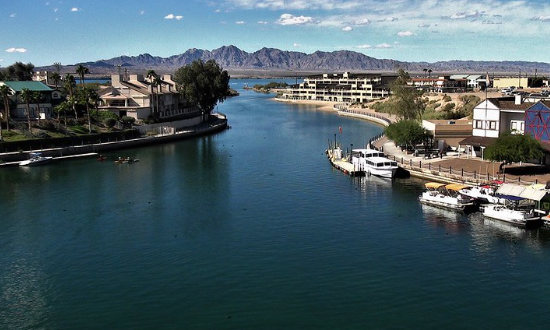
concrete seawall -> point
(219, 125)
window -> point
(492, 125)
(479, 124)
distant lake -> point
(90, 81)
(252, 228)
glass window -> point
(492, 125)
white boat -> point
(35, 159)
(519, 217)
(373, 162)
(446, 196)
(484, 194)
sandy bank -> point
(322, 105)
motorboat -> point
(515, 215)
(483, 194)
(374, 162)
(35, 158)
(447, 196)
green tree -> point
(63, 107)
(20, 71)
(406, 100)
(56, 77)
(27, 96)
(203, 84)
(514, 148)
(70, 85)
(57, 67)
(5, 94)
(406, 133)
(36, 98)
(153, 78)
(81, 70)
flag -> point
(340, 129)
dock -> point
(341, 164)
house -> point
(537, 121)
(346, 87)
(448, 133)
(441, 84)
(505, 82)
(139, 98)
(38, 110)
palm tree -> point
(5, 93)
(430, 73)
(152, 75)
(158, 83)
(62, 107)
(87, 99)
(57, 66)
(70, 84)
(37, 97)
(82, 70)
(425, 70)
(27, 96)
(56, 77)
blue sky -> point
(71, 31)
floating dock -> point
(90, 154)
(340, 163)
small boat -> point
(35, 159)
(374, 162)
(126, 160)
(515, 215)
(447, 197)
(483, 194)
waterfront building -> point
(38, 110)
(537, 121)
(448, 133)
(346, 88)
(140, 98)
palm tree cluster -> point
(156, 81)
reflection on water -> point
(453, 222)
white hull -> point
(35, 161)
(446, 205)
(385, 173)
(517, 218)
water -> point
(252, 228)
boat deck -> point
(343, 165)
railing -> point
(343, 108)
(457, 174)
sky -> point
(71, 31)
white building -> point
(137, 97)
(346, 87)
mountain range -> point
(234, 59)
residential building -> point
(139, 98)
(441, 84)
(346, 87)
(448, 133)
(495, 116)
(42, 109)
(537, 121)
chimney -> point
(518, 99)
(115, 80)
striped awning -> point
(521, 191)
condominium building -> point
(346, 87)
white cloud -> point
(239, 22)
(142, 12)
(55, 10)
(405, 33)
(12, 15)
(16, 50)
(172, 16)
(541, 18)
(347, 29)
(217, 11)
(384, 45)
(388, 19)
(423, 25)
(296, 45)
(74, 9)
(366, 46)
(262, 22)
(289, 19)
(298, 4)
(1, 60)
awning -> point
(456, 186)
(521, 191)
(434, 185)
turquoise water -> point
(252, 228)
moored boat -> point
(519, 217)
(35, 159)
(374, 162)
(447, 196)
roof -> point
(456, 186)
(509, 104)
(35, 86)
(478, 141)
(434, 185)
(521, 191)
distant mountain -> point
(270, 59)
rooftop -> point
(35, 86)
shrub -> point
(447, 98)
(127, 121)
(110, 122)
(448, 107)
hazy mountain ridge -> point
(233, 58)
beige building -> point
(505, 82)
(346, 87)
(137, 97)
(448, 132)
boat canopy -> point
(434, 185)
(508, 189)
(456, 186)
